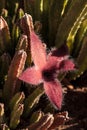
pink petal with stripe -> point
(31, 76)
(54, 92)
(38, 51)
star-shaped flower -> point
(46, 69)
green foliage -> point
(80, 36)
(15, 118)
(17, 99)
(75, 27)
(36, 116)
(81, 64)
(32, 100)
(69, 20)
(44, 123)
(60, 22)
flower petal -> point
(31, 76)
(38, 51)
(54, 92)
(51, 63)
(61, 52)
(56, 56)
(66, 65)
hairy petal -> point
(66, 65)
(31, 76)
(54, 92)
(60, 52)
(38, 51)
(58, 55)
(51, 63)
(54, 63)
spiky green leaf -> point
(36, 116)
(17, 99)
(79, 37)
(75, 28)
(31, 101)
(68, 21)
(15, 115)
(44, 123)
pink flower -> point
(46, 68)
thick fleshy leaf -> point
(66, 65)
(38, 51)
(54, 92)
(31, 76)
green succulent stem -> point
(12, 83)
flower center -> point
(48, 75)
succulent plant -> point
(16, 106)
(45, 71)
(62, 23)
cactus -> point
(15, 29)
(19, 105)
(12, 84)
(26, 25)
(23, 43)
